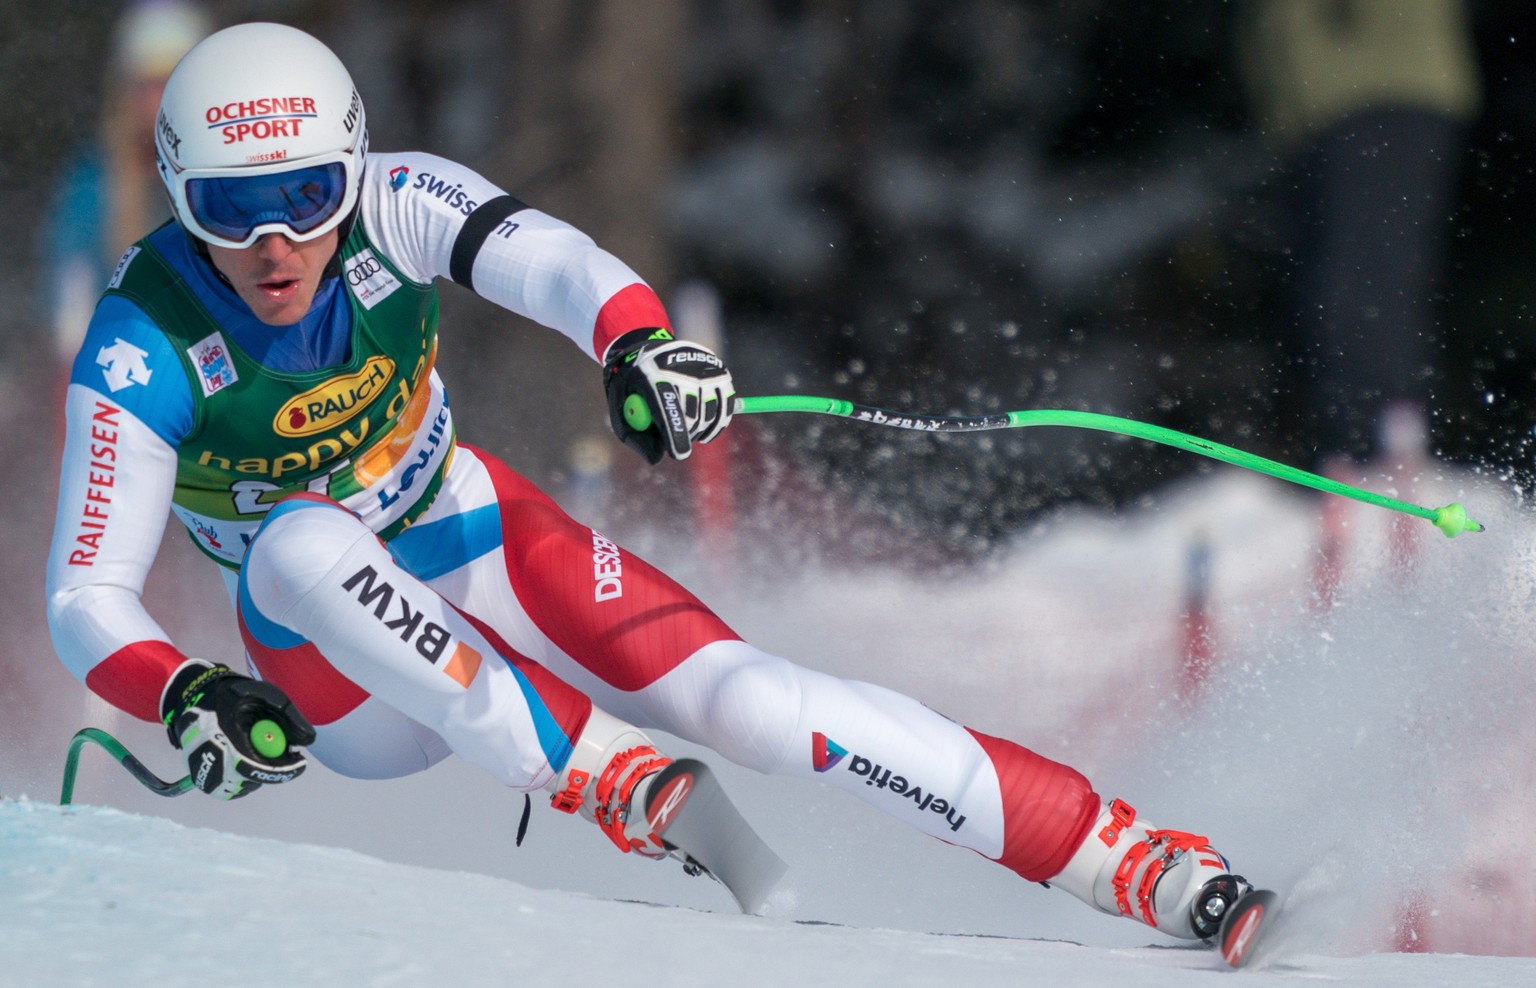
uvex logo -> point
(334, 402)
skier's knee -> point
(300, 541)
(747, 702)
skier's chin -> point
(275, 277)
(280, 302)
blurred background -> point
(1305, 228)
(1178, 211)
(951, 207)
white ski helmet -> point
(260, 130)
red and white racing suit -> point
(490, 625)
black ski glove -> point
(210, 713)
(664, 394)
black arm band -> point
(479, 225)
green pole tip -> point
(1452, 520)
(637, 413)
(268, 738)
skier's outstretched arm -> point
(439, 219)
(127, 405)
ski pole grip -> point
(268, 738)
(637, 414)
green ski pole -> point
(113, 747)
(267, 738)
(1451, 519)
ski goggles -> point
(233, 207)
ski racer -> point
(262, 366)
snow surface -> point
(100, 897)
(1369, 758)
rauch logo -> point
(334, 402)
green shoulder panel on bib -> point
(147, 280)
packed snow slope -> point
(1359, 741)
(99, 897)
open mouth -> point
(277, 287)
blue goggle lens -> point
(302, 199)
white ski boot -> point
(1168, 879)
(607, 779)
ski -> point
(1245, 924)
(698, 823)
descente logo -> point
(607, 570)
(335, 402)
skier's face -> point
(276, 277)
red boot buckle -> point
(1121, 815)
(569, 799)
(612, 811)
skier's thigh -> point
(376, 741)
